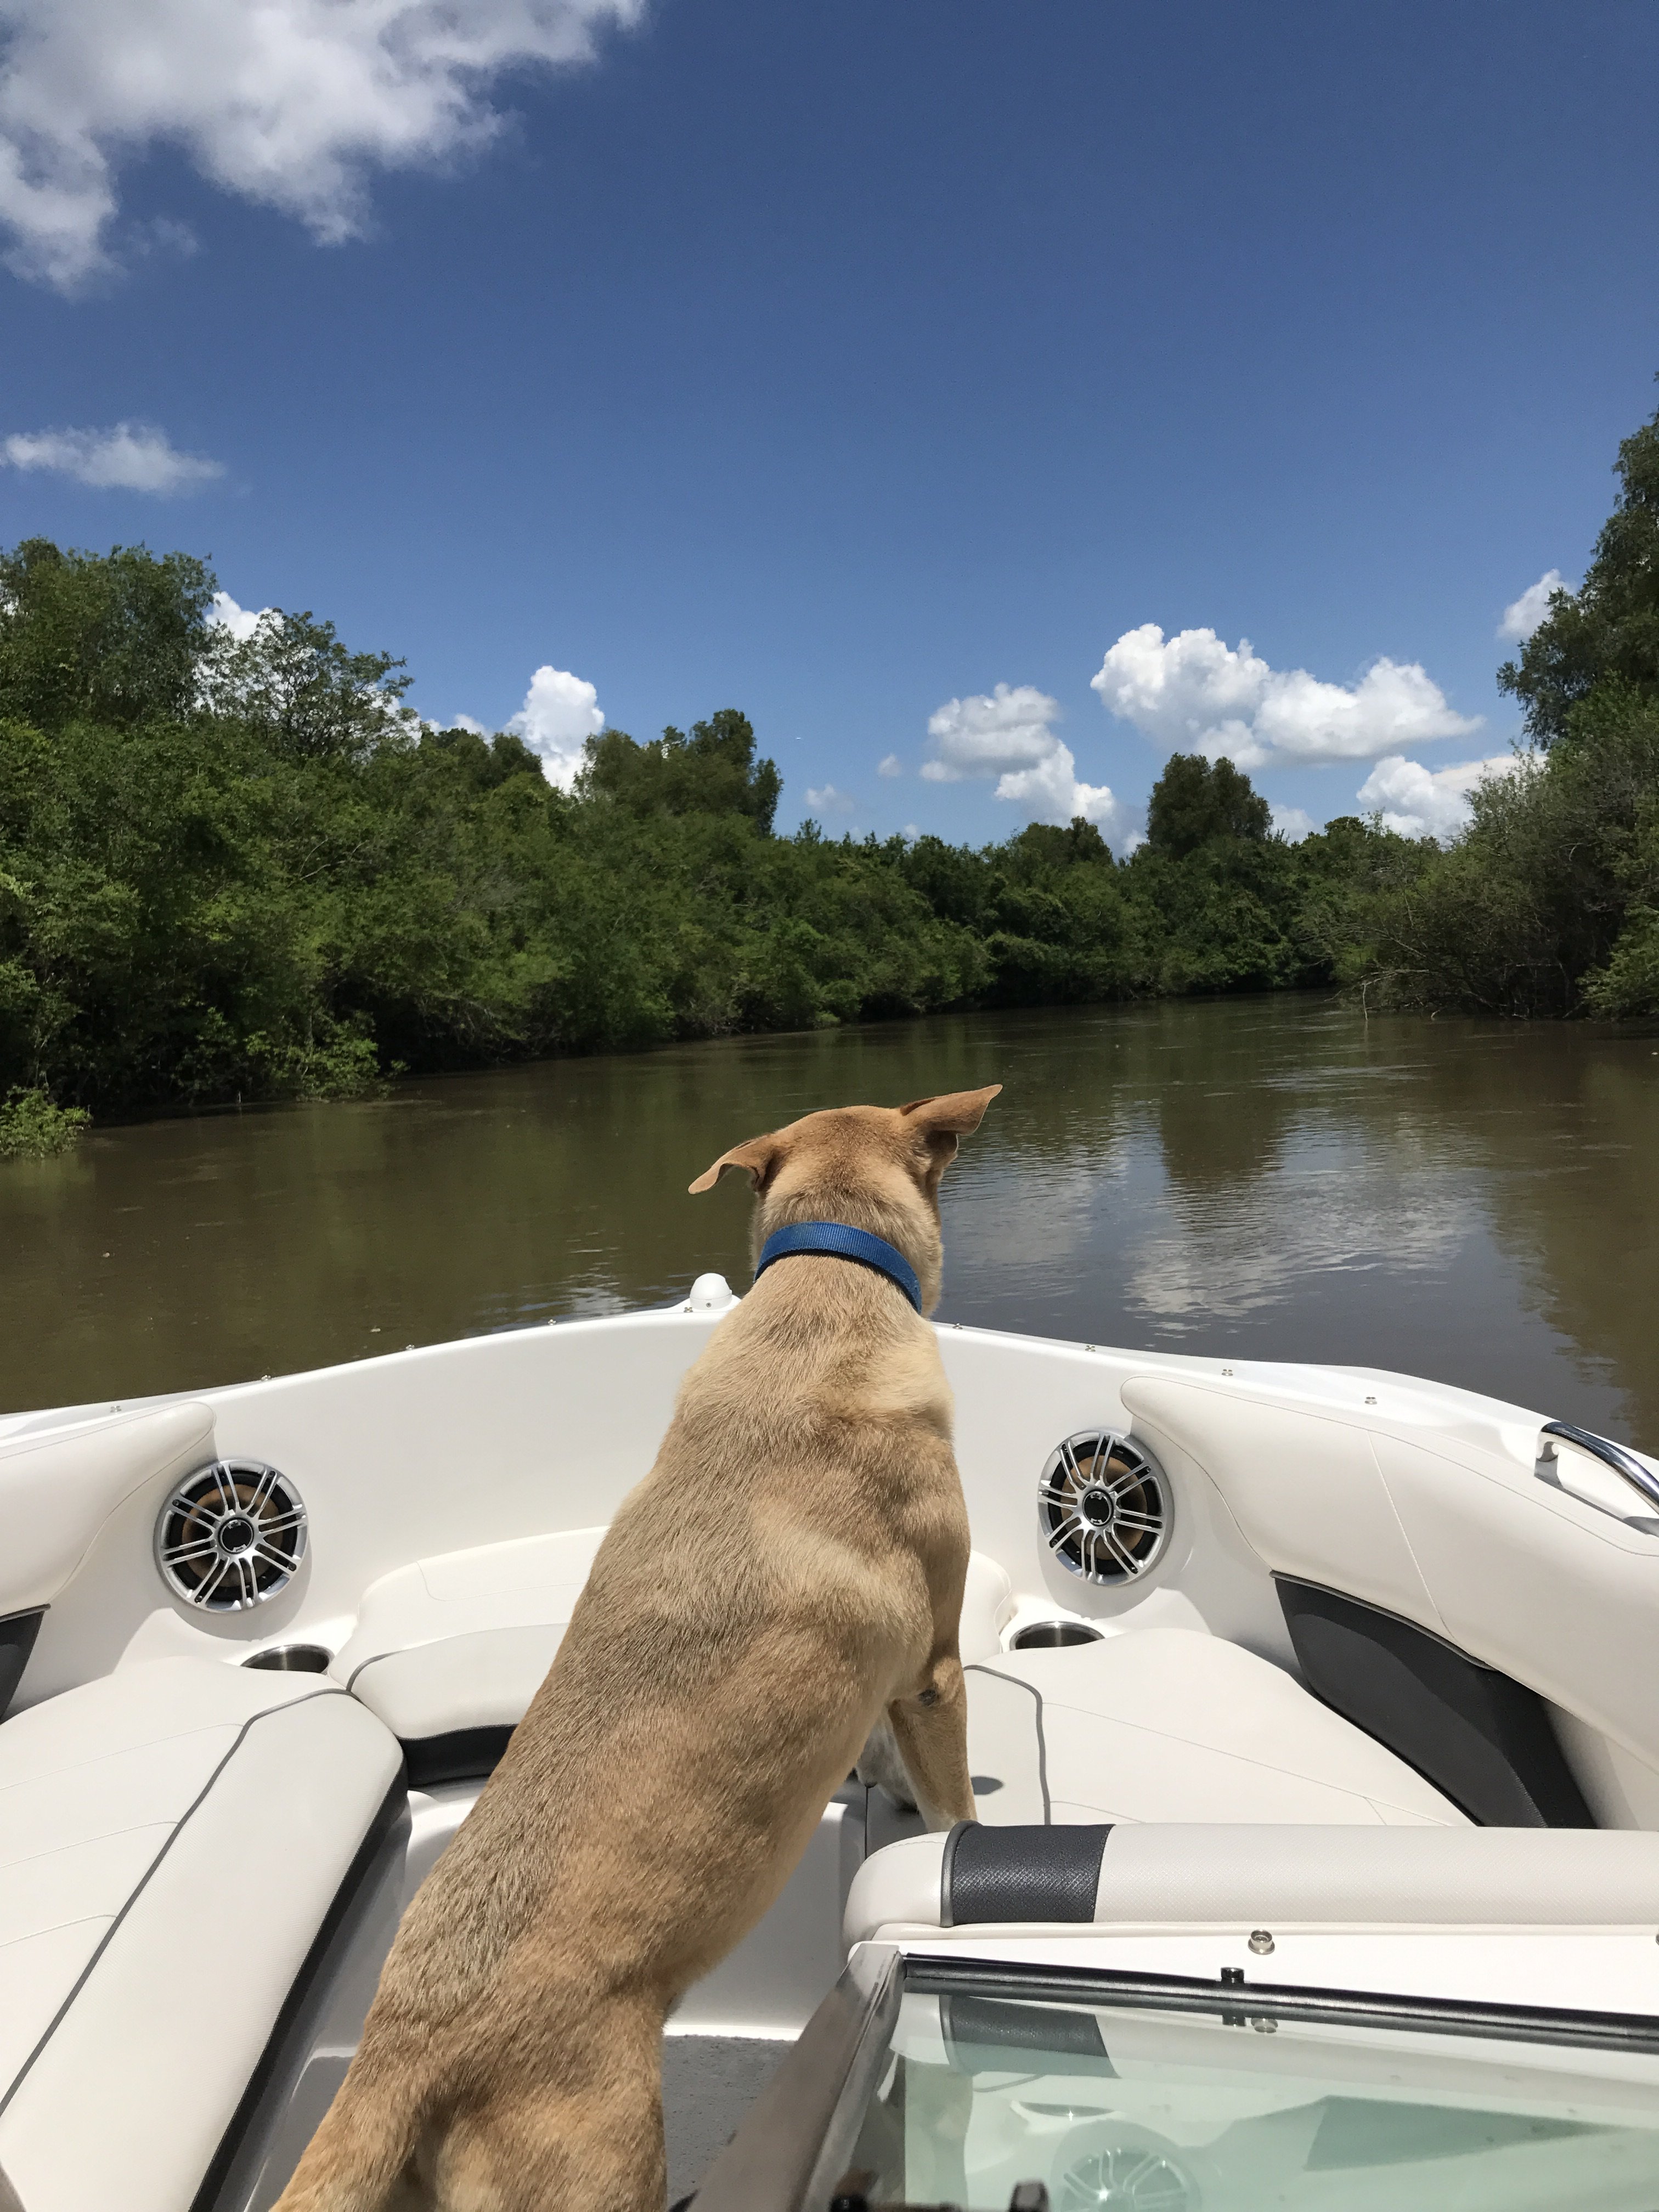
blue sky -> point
(847, 362)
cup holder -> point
(1052, 1635)
(292, 1659)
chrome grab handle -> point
(1610, 1455)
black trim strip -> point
(17, 1633)
(359, 1882)
(462, 1755)
(930, 1975)
(108, 1937)
(978, 1667)
(1483, 1739)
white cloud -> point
(463, 722)
(560, 713)
(241, 621)
(289, 102)
(892, 766)
(1523, 616)
(1293, 823)
(826, 799)
(1418, 802)
(131, 457)
(1005, 734)
(1192, 692)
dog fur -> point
(788, 1578)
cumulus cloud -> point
(1419, 802)
(826, 799)
(1006, 734)
(560, 713)
(292, 103)
(132, 457)
(892, 766)
(241, 621)
(1523, 616)
(1293, 823)
(1193, 693)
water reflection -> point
(1275, 1179)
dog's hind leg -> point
(589, 2140)
(931, 1732)
(362, 2157)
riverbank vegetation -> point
(32, 1128)
(235, 867)
(1549, 903)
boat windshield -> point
(1143, 2110)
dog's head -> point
(876, 1168)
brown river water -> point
(1276, 1179)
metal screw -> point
(1260, 1942)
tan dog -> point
(789, 1572)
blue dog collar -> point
(841, 1242)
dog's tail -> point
(365, 2147)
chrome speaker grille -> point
(1103, 1505)
(230, 1535)
(1140, 2180)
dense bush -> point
(32, 1128)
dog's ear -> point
(958, 1113)
(756, 1158)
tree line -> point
(237, 867)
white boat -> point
(1314, 1724)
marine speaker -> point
(1104, 1507)
(1133, 2175)
(230, 1535)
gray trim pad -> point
(1020, 1874)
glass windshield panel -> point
(1124, 2109)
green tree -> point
(712, 771)
(293, 680)
(114, 638)
(1609, 630)
(1196, 800)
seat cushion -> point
(1168, 1724)
(463, 1641)
(171, 1837)
(1285, 1876)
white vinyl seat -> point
(172, 1838)
(1288, 1876)
(463, 1641)
(1171, 1725)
